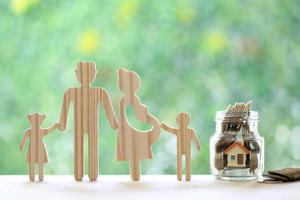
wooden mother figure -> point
(134, 145)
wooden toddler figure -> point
(184, 137)
(37, 153)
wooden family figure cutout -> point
(37, 153)
(86, 101)
(184, 136)
(134, 145)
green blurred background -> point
(196, 56)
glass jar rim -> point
(221, 114)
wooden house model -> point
(237, 155)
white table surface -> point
(154, 187)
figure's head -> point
(36, 118)
(129, 81)
(183, 119)
(86, 72)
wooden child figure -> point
(37, 153)
(184, 136)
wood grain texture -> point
(134, 145)
(37, 153)
(86, 101)
(184, 136)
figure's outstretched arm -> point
(65, 110)
(109, 110)
(52, 128)
(168, 128)
(196, 139)
(25, 135)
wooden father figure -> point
(86, 100)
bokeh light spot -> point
(215, 41)
(19, 7)
(89, 41)
(282, 134)
(126, 11)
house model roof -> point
(236, 144)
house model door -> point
(240, 159)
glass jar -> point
(236, 148)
